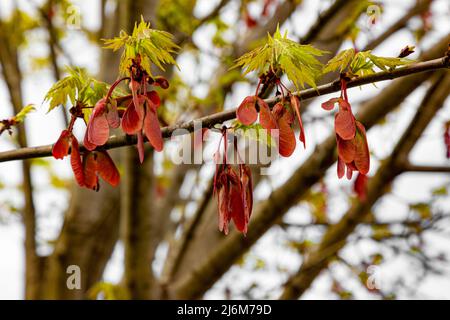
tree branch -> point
(220, 117)
(13, 77)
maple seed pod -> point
(162, 82)
(246, 112)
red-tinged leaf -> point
(247, 189)
(113, 115)
(246, 112)
(295, 103)
(329, 105)
(346, 149)
(344, 124)
(266, 118)
(152, 130)
(153, 97)
(340, 168)
(98, 129)
(76, 163)
(286, 142)
(131, 123)
(107, 169)
(90, 171)
(362, 155)
(360, 186)
(140, 146)
(61, 147)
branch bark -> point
(335, 237)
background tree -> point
(306, 227)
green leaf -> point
(297, 61)
(154, 46)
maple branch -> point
(335, 237)
(419, 7)
(220, 117)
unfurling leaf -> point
(297, 61)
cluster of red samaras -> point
(353, 150)
(234, 191)
(139, 118)
(277, 121)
